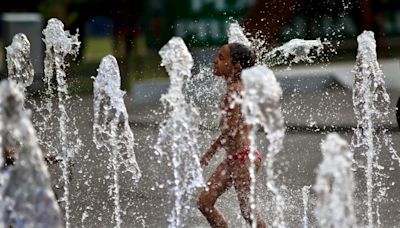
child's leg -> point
(218, 183)
(241, 182)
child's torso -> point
(233, 122)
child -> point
(234, 170)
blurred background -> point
(317, 98)
(133, 31)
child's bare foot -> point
(51, 158)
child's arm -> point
(211, 151)
(227, 131)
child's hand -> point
(210, 153)
(204, 161)
(51, 158)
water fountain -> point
(261, 101)
(261, 106)
(179, 142)
(27, 197)
(59, 44)
(371, 107)
(179, 133)
(293, 51)
(19, 65)
(335, 184)
(111, 128)
(236, 35)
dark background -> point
(133, 31)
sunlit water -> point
(27, 197)
(294, 51)
(261, 106)
(59, 44)
(179, 132)
(291, 52)
(174, 146)
(111, 129)
(371, 108)
(261, 101)
(335, 184)
(19, 65)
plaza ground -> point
(309, 116)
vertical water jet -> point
(19, 65)
(371, 108)
(59, 45)
(335, 184)
(111, 128)
(27, 197)
(179, 133)
(261, 106)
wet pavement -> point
(309, 116)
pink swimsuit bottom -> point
(242, 155)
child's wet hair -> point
(242, 54)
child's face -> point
(223, 65)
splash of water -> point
(179, 133)
(19, 65)
(111, 128)
(28, 200)
(261, 106)
(294, 51)
(236, 35)
(371, 108)
(59, 44)
(205, 91)
(20, 68)
(335, 184)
